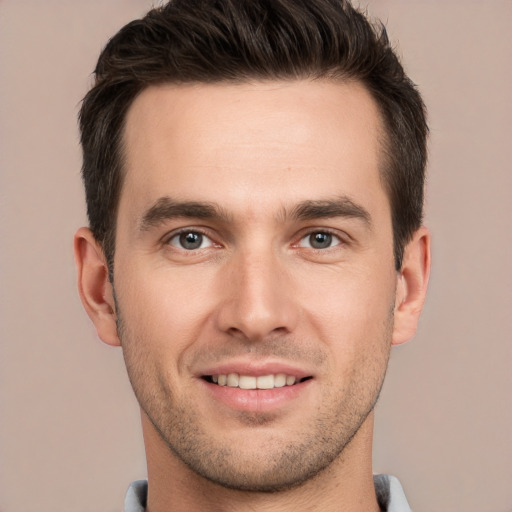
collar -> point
(390, 495)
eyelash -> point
(305, 235)
(184, 231)
(334, 234)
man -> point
(254, 181)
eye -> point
(190, 240)
(319, 240)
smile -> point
(271, 381)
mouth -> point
(271, 381)
(257, 387)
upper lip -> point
(255, 368)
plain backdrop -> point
(70, 437)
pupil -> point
(320, 240)
(191, 240)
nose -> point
(258, 299)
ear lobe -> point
(95, 290)
(412, 286)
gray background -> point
(70, 438)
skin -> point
(256, 158)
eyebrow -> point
(341, 206)
(167, 208)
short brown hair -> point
(212, 41)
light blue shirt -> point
(389, 492)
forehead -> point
(242, 142)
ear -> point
(412, 286)
(94, 286)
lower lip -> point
(257, 400)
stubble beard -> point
(280, 464)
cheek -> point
(165, 308)
(351, 309)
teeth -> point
(279, 380)
(234, 380)
(290, 381)
(246, 382)
(265, 382)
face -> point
(254, 274)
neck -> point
(347, 484)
